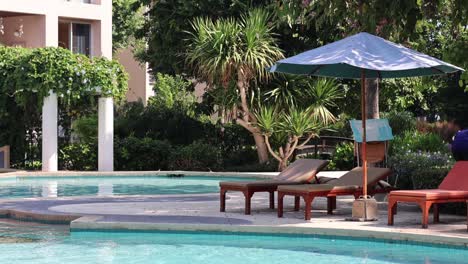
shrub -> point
(78, 156)
(414, 141)
(343, 157)
(86, 128)
(172, 124)
(196, 156)
(133, 153)
(340, 128)
(400, 122)
(420, 170)
(173, 91)
(446, 130)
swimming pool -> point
(43, 245)
(26, 187)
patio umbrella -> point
(363, 56)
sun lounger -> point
(348, 184)
(299, 172)
(454, 188)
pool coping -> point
(15, 174)
(260, 175)
(90, 223)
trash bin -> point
(460, 145)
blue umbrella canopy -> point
(379, 58)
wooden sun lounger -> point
(299, 172)
(454, 188)
(348, 184)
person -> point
(460, 145)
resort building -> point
(83, 26)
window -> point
(81, 38)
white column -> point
(106, 134)
(49, 133)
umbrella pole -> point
(364, 133)
(364, 209)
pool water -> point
(58, 246)
(26, 187)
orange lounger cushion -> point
(433, 194)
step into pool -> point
(27, 187)
(39, 245)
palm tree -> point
(229, 51)
(288, 127)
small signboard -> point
(378, 130)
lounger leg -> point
(222, 200)
(425, 206)
(308, 207)
(297, 203)
(272, 200)
(248, 198)
(436, 213)
(331, 204)
(392, 205)
(280, 204)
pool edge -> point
(92, 224)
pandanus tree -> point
(293, 117)
(233, 53)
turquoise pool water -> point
(57, 246)
(24, 187)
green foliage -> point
(28, 75)
(132, 153)
(285, 90)
(86, 128)
(221, 50)
(323, 94)
(161, 123)
(420, 170)
(419, 160)
(292, 123)
(173, 91)
(196, 156)
(78, 156)
(35, 73)
(409, 94)
(413, 141)
(127, 18)
(167, 23)
(343, 157)
(341, 128)
(318, 95)
(400, 121)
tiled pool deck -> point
(201, 213)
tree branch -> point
(296, 140)
(267, 142)
(307, 140)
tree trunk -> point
(245, 121)
(262, 150)
(372, 98)
(282, 165)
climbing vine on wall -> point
(26, 73)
